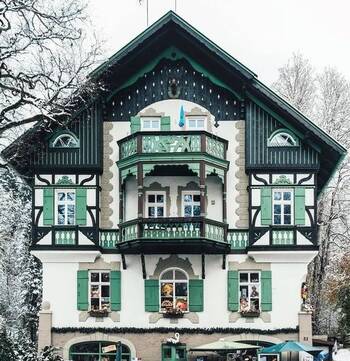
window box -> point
(173, 313)
(98, 313)
(250, 314)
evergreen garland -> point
(163, 330)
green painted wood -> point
(81, 206)
(266, 206)
(151, 295)
(165, 123)
(299, 206)
(266, 291)
(115, 290)
(82, 290)
(135, 124)
(196, 302)
(48, 209)
(232, 291)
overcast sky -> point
(262, 34)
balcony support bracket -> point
(203, 266)
(224, 261)
(123, 261)
(144, 274)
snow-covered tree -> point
(327, 95)
(296, 83)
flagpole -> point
(175, 5)
(147, 11)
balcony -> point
(174, 147)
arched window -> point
(173, 290)
(64, 140)
(282, 138)
(97, 351)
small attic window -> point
(282, 138)
(64, 140)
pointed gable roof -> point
(171, 31)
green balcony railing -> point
(109, 238)
(283, 237)
(172, 142)
(173, 228)
(64, 237)
(238, 239)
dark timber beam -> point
(224, 261)
(123, 261)
(203, 266)
(143, 266)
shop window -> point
(99, 290)
(99, 351)
(64, 140)
(65, 207)
(249, 290)
(155, 204)
(174, 353)
(196, 123)
(282, 138)
(173, 291)
(191, 204)
(282, 207)
(150, 123)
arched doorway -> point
(97, 351)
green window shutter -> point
(82, 290)
(115, 290)
(48, 207)
(81, 206)
(165, 123)
(232, 291)
(266, 291)
(152, 295)
(299, 205)
(135, 124)
(196, 295)
(266, 206)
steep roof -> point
(172, 30)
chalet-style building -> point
(182, 199)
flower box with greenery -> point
(99, 313)
(173, 313)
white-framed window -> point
(150, 123)
(282, 206)
(173, 290)
(196, 123)
(249, 291)
(99, 287)
(155, 204)
(191, 205)
(65, 140)
(282, 138)
(65, 207)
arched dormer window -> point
(282, 138)
(173, 290)
(64, 140)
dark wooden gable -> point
(190, 84)
(260, 125)
(87, 128)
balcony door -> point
(155, 204)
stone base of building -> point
(148, 345)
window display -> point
(249, 290)
(174, 291)
(99, 290)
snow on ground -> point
(342, 355)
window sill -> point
(173, 314)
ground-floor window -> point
(98, 351)
(174, 353)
